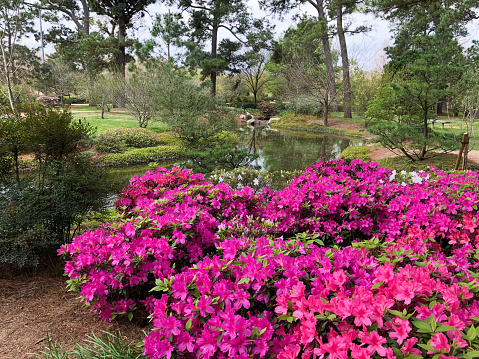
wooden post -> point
(464, 143)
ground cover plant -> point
(350, 260)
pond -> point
(294, 150)
(277, 150)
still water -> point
(277, 150)
(293, 150)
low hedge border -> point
(353, 152)
(141, 155)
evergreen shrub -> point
(118, 139)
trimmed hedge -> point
(141, 155)
(118, 139)
(353, 152)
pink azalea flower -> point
(185, 342)
(204, 306)
(401, 329)
(440, 343)
(375, 342)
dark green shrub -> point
(54, 135)
(141, 155)
(118, 139)
(246, 105)
(36, 216)
(39, 213)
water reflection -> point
(278, 150)
(292, 150)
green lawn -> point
(340, 116)
(115, 119)
(83, 107)
(312, 123)
(445, 162)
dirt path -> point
(37, 306)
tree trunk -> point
(122, 50)
(325, 113)
(214, 45)
(344, 60)
(327, 55)
(439, 108)
(86, 17)
(426, 133)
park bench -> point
(439, 121)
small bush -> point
(38, 216)
(141, 155)
(118, 139)
(48, 101)
(353, 152)
(305, 106)
(268, 109)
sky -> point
(367, 49)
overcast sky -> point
(366, 49)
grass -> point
(340, 116)
(445, 162)
(111, 345)
(114, 119)
(83, 107)
(310, 123)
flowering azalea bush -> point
(345, 262)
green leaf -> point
(332, 316)
(427, 347)
(188, 325)
(130, 316)
(377, 285)
(410, 356)
(422, 326)
(474, 354)
(397, 352)
(262, 331)
(445, 328)
(471, 333)
(395, 312)
(244, 280)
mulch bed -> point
(36, 306)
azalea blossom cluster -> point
(342, 263)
